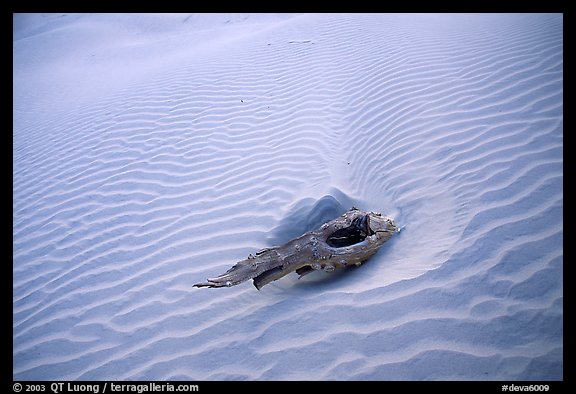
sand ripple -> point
(455, 129)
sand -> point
(153, 151)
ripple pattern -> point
(452, 124)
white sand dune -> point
(153, 151)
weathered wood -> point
(349, 239)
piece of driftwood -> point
(349, 239)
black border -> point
(266, 386)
